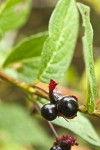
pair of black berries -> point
(65, 106)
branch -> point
(41, 89)
(30, 89)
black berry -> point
(49, 111)
(65, 146)
(68, 106)
(56, 148)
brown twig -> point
(23, 86)
(13, 81)
(42, 92)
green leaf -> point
(82, 127)
(27, 48)
(13, 14)
(59, 47)
(29, 70)
(88, 56)
(18, 126)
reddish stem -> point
(53, 129)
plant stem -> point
(50, 124)
(37, 90)
(53, 129)
(40, 89)
(13, 81)
(30, 89)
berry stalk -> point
(53, 129)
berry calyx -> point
(49, 111)
(64, 142)
(56, 148)
(68, 106)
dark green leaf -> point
(59, 47)
(88, 57)
(27, 48)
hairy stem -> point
(53, 129)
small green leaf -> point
(13, 14)
(81, 126)
(88, 56)
(27, 48)
(59, 47)
(19, 127)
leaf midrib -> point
(53, 55)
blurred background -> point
(42, 137)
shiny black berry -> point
(56, 148)
(49, 111)
(68, 106)
(65, 146)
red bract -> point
(52, 86)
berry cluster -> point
(64, 143)
(66, 106)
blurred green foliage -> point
(19, 130)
